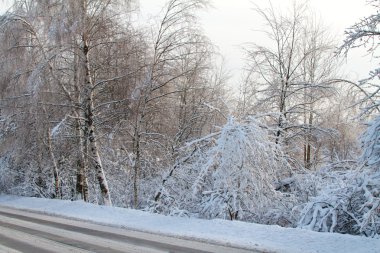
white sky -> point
(232, 23)
(4, 5)
(229, 24)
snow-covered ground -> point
(233, 233)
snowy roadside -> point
(239, 234)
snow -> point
(224, 232)
(57, 127)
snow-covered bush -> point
(371, 144)
(230, 175)
(352, 208)
(351, 203)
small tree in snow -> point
(231, 176)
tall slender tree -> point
(290, 76)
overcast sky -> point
(233, 23)
(229, 24)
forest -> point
(98, 107)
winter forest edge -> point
(97, 107)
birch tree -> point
(288, 78)
(22, 60)
(177, 39)
(67, 36)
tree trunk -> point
(89, 128)
(57, 186)
(308, 147)
(97, 163)
(82, 165)
(282, 112)
(137, 162)
(82, 155)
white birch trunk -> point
(89, 128)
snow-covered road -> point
(22, 231)
(222, 232)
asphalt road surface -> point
(22, 231)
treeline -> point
(86, 92)
(98, 107)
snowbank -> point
(234, 233)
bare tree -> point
(365, 33)
(289, 77)
(176, 40)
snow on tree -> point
(365, 34)
(350, 205)
(288, 79)
(230, 175)
(351, 202)
(371, 144)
